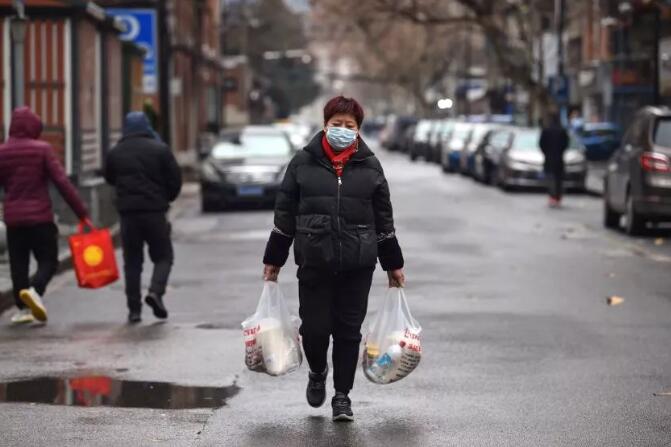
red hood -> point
(25, 124)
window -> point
(663, 133)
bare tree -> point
(386, 47)
(512, 28)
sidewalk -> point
(65, 257)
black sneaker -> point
(342, 408)
(134, 316)
(316, 390)
(156, 303)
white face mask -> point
(340, 137)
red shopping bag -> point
(93, 257)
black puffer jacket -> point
(142, 169)
(336, 225)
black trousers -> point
(555, 181)
(41, 241)
(333, 305)
(152, 229)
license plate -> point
(250, 191)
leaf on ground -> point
(614, 300)
(659, 241)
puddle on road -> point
(102, 391)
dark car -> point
(638, 178)
(600, 140)
(407, 139)
(488, 154)
(420, 145)
(392, 134)
(245, 168)
(521, 163)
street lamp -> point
(18, 27)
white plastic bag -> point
(271, 337)
(393, 347)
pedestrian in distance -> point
(553, 142)
(27, 167)
(334, 206)
(145, 174)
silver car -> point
(521, 163)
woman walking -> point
(553, 143)
(27, 165)
(334, 205)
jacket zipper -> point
(338, 217)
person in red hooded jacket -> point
(27, 166)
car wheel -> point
(611, 218)
(635, 222)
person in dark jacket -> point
(147, 179)
(553, 142)
(27, 166)
(334, 206)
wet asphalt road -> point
(520, 347)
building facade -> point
(74, 78)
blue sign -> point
(559, 87)
(141, 29)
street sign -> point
(141, 28)
(559, 86)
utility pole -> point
(561, 84)
(18, 34)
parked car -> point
(467, 160)
(245, 168)
(600, 139)
(435, 136)
(420, 144)
(638, 178)
(443, 137)
(451, 156)
(298, 133)
(521, 163)
(393, 131)
(488, 154)
(407, 139)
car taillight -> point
(655, 162)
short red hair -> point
(340, 104)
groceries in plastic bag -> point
(271, 335)
(393, 347)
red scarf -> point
(339, 159)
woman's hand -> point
(271, 272)
(396, 278)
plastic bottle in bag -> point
(387, 362)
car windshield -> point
(663, 133)
(253, 146)
(527, 140)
